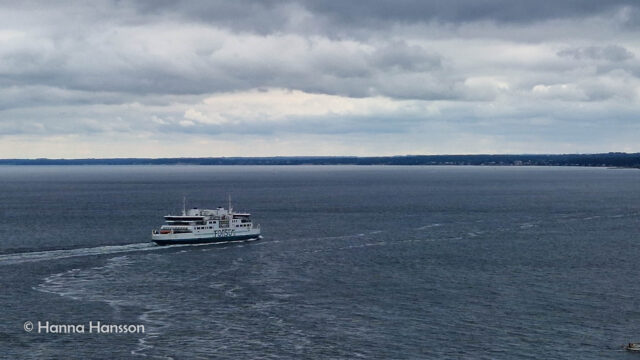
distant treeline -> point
(606, 160)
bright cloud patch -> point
(559, 92)
(271, 105)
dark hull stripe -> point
(205, 240)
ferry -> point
(197, 226)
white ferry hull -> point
(205, 237)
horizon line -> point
(319, 156)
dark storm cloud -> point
(518, 11)
(271, 15)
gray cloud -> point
(136, 68)
(613, 53)
(401, 56)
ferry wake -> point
(197, 226)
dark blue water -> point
(356, 262)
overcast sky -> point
(263, 78)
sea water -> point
(356, 262)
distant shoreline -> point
(609, 160)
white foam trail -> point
(154, 331)
(19, 258)
(89, 285)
